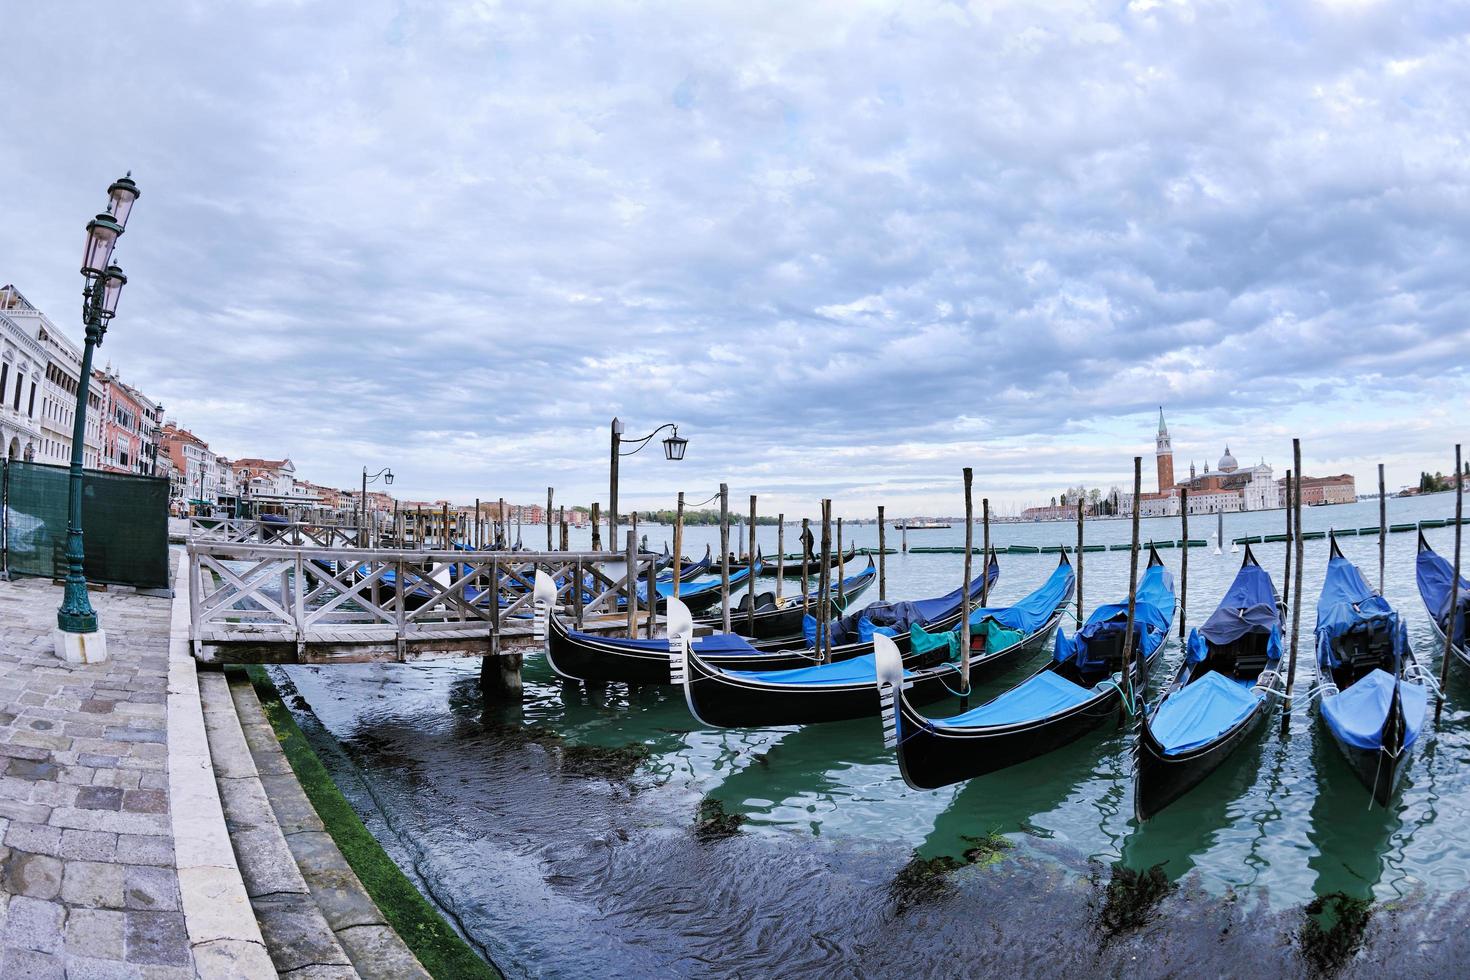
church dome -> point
(1228, 463)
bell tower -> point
(1164, 455)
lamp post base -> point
(80, 648)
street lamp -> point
(386, 475)
(674, 447)
(78, 638)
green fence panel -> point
(124, 523)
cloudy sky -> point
(848, 247)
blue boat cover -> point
(1356, 715)
(899, 616)
(1249, 606)
(707, 646)
(1153, 612)
(1348, 603)
(1042, 694)
(1434, 575)
(1202, 711)
(858, 670)
(1032, 612)
(666, 589)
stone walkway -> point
(87, 862)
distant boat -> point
(922, 526)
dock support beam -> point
(500, 677)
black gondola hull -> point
(1164, 778)
(931, 757)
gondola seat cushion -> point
(1356, 715)
(1201, 712)
(1040, 696)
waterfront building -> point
(1319, 490)
(197, 466)
(1228, 488)
(130, 425)
(58, 395)
(23, 363)
(1054, 512)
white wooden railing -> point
(374, 604)
(236, 530)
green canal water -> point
(559, 859)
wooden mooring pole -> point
(806, 553)
(631, 580)
(1382, 521)
(1454, 611)
(725, 557)
(596, 528)
(1296, 589)
(1128, 644)
(750, 574)
(780, 554)
(984, 554)
(1286, 572)
(841, 568)
(882, 558)
(969, 477)
(678, 539)
(1184, 557)
(824, 586)
(1079, 565)
(549, 492)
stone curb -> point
(223, 934)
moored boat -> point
(779, 624)
(1220, 696)
(1373, 690)
(1433, 574)
(1079, 688)
(845, 689)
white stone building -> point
(22, 371)
(56, 411)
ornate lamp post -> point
(386, 475)
(674, 448)
(78, 638)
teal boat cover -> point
(1356, 715)
(1202, 711)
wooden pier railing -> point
(277, 603)
(236, 530)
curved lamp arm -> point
(641, 442)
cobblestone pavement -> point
(87, 880)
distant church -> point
(1229, 488)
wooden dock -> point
(299, 604)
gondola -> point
(778, 625)
(585, 656)
(844, 690)
(689, 571)
(698, 596)
(813, 565)
(1434, 574)
(1219, 698)
(1373, 691)
(1078, 689)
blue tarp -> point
(1202, 711)
(1042, 694)
(1249, 605)
(666, 589)
(1434, 575)
(1348, 603)
(1032, 612)
(899, 616)
(1356, 715)
(854, 671)
(1153, 612)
